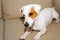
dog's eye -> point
(30, 14)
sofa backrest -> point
(11, 8)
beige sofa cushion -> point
(11, 7)
(57, 5)
(1, 29)
(14, 29)
(0, 10)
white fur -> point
(42, 20)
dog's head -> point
(30, 13)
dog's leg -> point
(39, 34)
(26, 34)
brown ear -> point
(32, 13)
(22, 18)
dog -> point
(41, 18)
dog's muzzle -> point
(26, 24)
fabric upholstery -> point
(57, 5)
(13, 29)
(1, 29)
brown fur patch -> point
(32, 13)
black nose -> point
(26, 24)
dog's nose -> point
(26, 24)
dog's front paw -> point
(22, 38)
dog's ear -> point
(37, 8)
(22, 18)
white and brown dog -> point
(40, 18)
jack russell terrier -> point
(40, 19)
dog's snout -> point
(26, 24)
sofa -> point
(11, 27)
